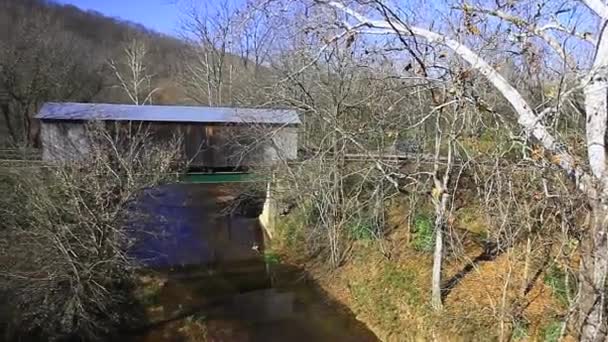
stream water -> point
(205, 256)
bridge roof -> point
(186, 114)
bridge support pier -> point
(269, 211)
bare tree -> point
(346, 173)
(132, 73)
(255, 36)
(440, 196)
(229, 58)
(207, 74)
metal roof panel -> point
(122, 112)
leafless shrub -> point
(66, 233)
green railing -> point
(236, 177)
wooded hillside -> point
(53, 52)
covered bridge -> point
(213, 137)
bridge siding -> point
(205, 145)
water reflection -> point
(189, 224)
(213, 283)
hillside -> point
(92, 29)
(53, 52)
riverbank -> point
(488, 296)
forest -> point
(451, 179)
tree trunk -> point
(594, 259)
(9, 125)
(440, 210)
(33, 135)
(592, 320)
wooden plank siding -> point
(219, 146)
(204, 145)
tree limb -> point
(526, 116)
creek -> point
(212, 278)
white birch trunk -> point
(594, 263)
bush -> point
(291, 229)
(66, 237)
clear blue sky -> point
(159, 15)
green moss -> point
(424, 239)
(272, 258)
(362, 229)
(555, 278)
(551, 332)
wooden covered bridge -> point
(213, 138)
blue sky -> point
(159, 15)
